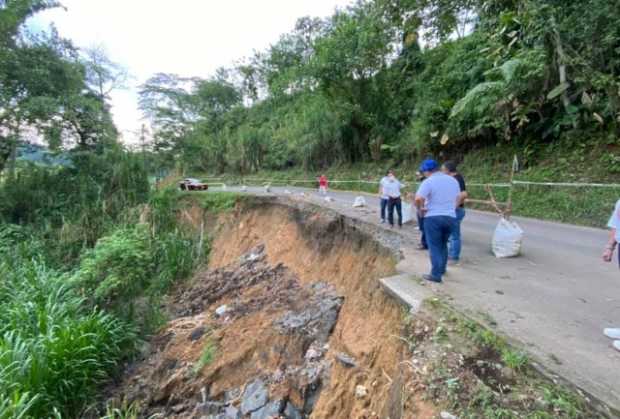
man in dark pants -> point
(392, 190)
(422, 245)
(384, 198)
(454, 243)
(436, 199)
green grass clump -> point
(53, 349)
(220, 201)
(208, 355)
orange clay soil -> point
(285, 252)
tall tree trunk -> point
(562, 60)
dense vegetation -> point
(87, 249)
(82, 272)
(394, 80)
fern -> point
(478, 99)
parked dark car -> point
(191, 184)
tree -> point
(102, 74)
(43, 88)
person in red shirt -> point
(323, 185)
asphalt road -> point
(555, 298)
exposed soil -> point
(288, 321)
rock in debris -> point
(221, 310)
(230, 412)
(447, 415)
(209, 408)
(254, 397)
(361, 392)
(346, 360)
(291, 412)
(269, 411)
(318, 317)
(197, 333)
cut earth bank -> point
(289, 320)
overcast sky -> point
(186, 37)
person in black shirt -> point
(454, 243)
(422, 245)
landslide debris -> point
(247, 340)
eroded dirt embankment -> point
(288, 321)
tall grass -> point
(53, 349)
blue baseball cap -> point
(429, 165)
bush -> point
(117, 268)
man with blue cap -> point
(437, 199)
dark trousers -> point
(421, 228)
(438, 230)
(395, 203)
(384, 204)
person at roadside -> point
(391, 189)
(323, 185)
(614, 238)
(436, 199)
(383, 196)
(454, 243)
(422, 245)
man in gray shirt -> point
(436, 199)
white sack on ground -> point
(507, 239)
(359, 202)
(407, 213)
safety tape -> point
(472, 184)
(570, 185)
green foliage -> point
(124, 411)
(207, 356)
(72, 207)
(53, 350)
(117, 268)
(514, 359)
(357, 86)
(220, 201)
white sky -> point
(186, 37)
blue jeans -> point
(454, 243)
(438, 230)
(384, 204)
(395, 203)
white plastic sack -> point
(267, 188)
(407, 213)
(507, 239)
(359, 202)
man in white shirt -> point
(383, 195)
(391, 189)
(614, 238)
(436, 200)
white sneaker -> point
(617, 344)
(612, 333)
